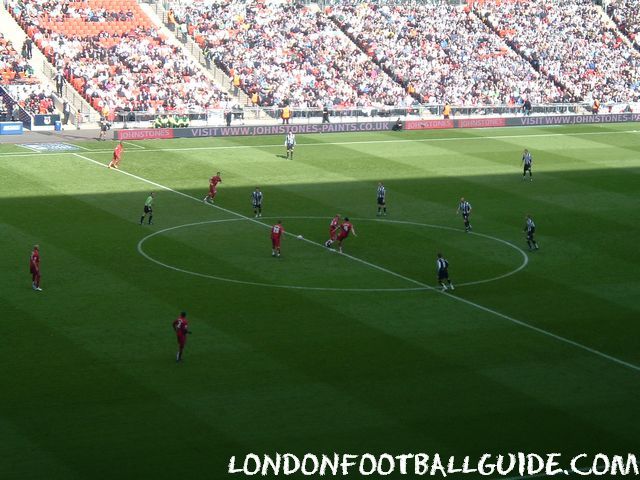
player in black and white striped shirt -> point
(530, 228)
(290, 143)
(442, 267)
(256, 202)
(382, 200)
(527, 162)
(464, 208)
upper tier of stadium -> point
(346, 54)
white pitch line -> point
(395, 274)
(324, 144)
(331, 289)
(78, 146)
(244, 282)
(134, 145)
(23, 154)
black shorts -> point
(381, 201)
(147, 209)
(465, 216)
(257, 205)
(290, 146)
(527, 167)
(530, 233)
(443, 274)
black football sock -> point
(150, 217)
(141, 220)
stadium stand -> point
(570, 41)
(444, 52)
(287, 53)
(18, 80)
(111, 53)
(349, 54)
(14, 68)
(35, 99)
(626, 15)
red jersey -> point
(334, 224)
(34, 260)
(276, 231)
(215, 180)
(345, 228)
(117, 152)
(181, 326)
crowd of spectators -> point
(444, 52)
(135, 71)
(570, 42)
(626, 15)
(350, 54)
(14, 67)
(57, 10)
(17, 78)
(35, 99)
(287, 54)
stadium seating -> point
(288, 53)
(445, 52)
(16, 75)
(572, 43)
(116, 63)
(350, 54)
(626, 15)
(34, 98)
(13, 67)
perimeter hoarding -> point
(482, 122)
(251, 130)
(574, 119)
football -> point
(300, 237)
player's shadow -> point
(282, 156)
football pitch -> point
(317, 351)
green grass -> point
(90, 387)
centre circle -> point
(419, 285)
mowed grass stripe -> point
(314, 371)
(456, 298)
(565, 132)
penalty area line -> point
(469, 303)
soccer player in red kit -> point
(34, 268)
(181, 327)
(213, 188)
(345, 228)
(333, 230)
(117, 156)
(276, 234)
